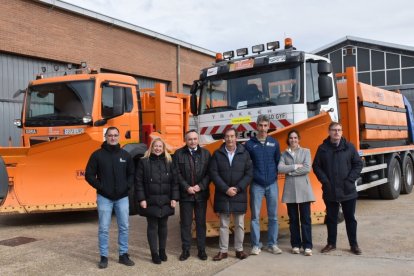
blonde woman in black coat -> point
(157, 192)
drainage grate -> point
(17, 241)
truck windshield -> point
(59, 104)
(280, 87)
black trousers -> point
(187, 208)
(300, 220)
(348, 208)
(157, 231)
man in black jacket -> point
(231, 171)
(337, 166)
(192, 164)
(110, 170)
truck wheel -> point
(391, 189)
(408, 174)
(373, 193)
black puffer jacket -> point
(337, 168)
(224, 176)
(156, 182)
(110, 170)
(193, 170)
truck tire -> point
(391, 189)
(4, 180)
(136, 150)
(407, 174)
(374, 193)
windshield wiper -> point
(266, 103)
(219, 109)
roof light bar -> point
(273, 45)
(228, 55)
(242, 52)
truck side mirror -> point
(324, 80)
(193, 98)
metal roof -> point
(122, 24)
(364, 40)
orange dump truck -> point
(63, 121)
(298, 90)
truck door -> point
(116, 109)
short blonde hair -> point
(166, 153)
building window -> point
(393, 61)
(364, 77)
(377, 60)
(407, 76)
(363, 60)
(407, 61)
(393, 77)
(378, 78)
(336, 59)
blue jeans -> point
(300, 219)
(105, 207)
(271, 193)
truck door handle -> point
(128, 134)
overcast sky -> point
(221, 25)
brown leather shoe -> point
(328, 248)
(220, 256)
(241, 255)
(356, 250)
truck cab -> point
(288, 85)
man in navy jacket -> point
(265, 154)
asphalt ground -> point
(66, 244)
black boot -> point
(184, 255)
(163, 256)
(202, 255)
(155, 258)
(103, 263)
(124, 259)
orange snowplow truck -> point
(298, 90)
(64, 120)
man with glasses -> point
(110, 170)
(337, 166)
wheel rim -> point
(397, 178)
(408, 175)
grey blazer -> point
(297, 187)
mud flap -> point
(4, 180)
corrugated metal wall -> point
(15, 74)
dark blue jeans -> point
(348, 208)
(300, 212)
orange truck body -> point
(48, 175)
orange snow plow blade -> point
(313, 131)
(36, 182)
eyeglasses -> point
(112, 135)
(335, 129)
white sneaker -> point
(308, 252)
(274, 249)
(295, 250)
(255, 250)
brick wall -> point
(37, 30)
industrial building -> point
(386, 65)
(53, 37)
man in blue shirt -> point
(265, 154)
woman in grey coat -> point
(295, 162)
